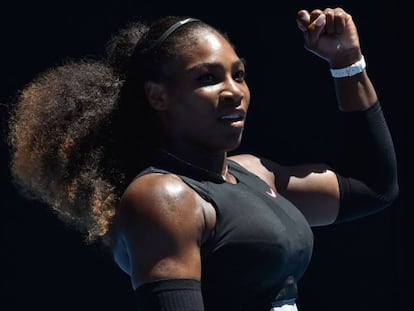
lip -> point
(237, 124)
(234, 119)
(234, 115)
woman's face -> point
(208, 96)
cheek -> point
(203, 101)
(195, 111)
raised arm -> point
(362, 179)
(366, 168)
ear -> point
(156, 94)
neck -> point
(215, 166)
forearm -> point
(170, 295)
(366, 165)
(355, 93)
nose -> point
(232, 92)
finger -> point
(330, 21)
(303, 20)
(314, 14)
(317, 27)
(341, 19)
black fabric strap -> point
(368, 155)
(170, 30)
(170, 295)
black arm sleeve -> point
(170, 295)
(366, 167)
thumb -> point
(316, 29)
(303, 20)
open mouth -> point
(235, 119)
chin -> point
(234, 146)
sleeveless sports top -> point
(261, 244)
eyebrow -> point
(237, 63)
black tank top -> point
(261, 244)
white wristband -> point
(351, 70)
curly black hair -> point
(80, 131)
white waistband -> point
(286, 305)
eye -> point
(207, 78)
(240, 76)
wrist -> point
(349, 71)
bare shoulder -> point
(245, 159)
(157, 196)
(154, 186)
(262, 167)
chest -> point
(251, 215)
(260, 239)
